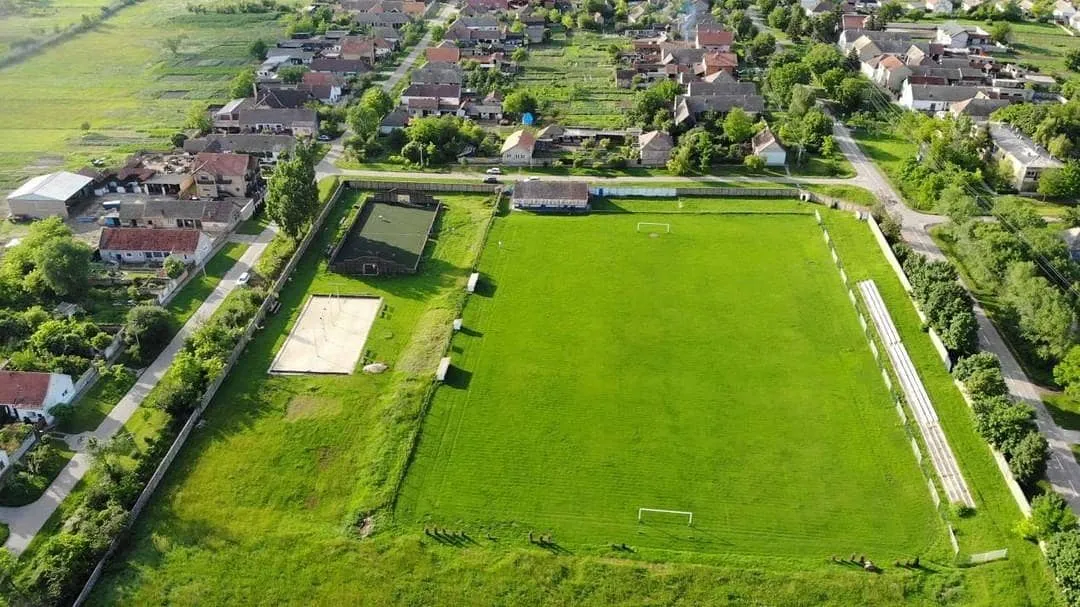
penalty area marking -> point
(665, 226)
(641, 512)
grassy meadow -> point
(120, 82)
(37, 19)
(273, 499)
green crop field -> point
(120, 82)
(573, 77)
(598, 380)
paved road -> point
(24, 522)
(1062, 469)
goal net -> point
(659, 511)
(647, 226)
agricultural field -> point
(744, 393)
(32, 20)
(573, 78)
(116, 89)
(287, 494)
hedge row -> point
(1007, 425)
(947, 306)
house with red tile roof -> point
(446, 52)
(223, 175)
(715, 40)
(153, 245)
(31, 396)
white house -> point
(1027, 159)
(31, 396)
(518, 148)
(766, 146)
(147, 245)
(933, 97)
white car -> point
(533, 178)
(243, 278)
(494, 171)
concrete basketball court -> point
(329, 336)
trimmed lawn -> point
(255, 225)
(887, 150)
(850, 193)
(670, 402)
(266, 502)
(192, 295)
(32, 21)
(88, 411)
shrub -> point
(1027, 460)
(1050, 514)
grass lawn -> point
(20, 491)
(850, 193)
(1064, 409)
(887, 150)
(263, 504)
(696, 418)
(89, 410)
(1041, 44)
(192, 295)
(119, 80)
(255, 225)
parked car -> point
(490, 180)
(494, 171)
(533, 178)
(243, 279)
(325, 137)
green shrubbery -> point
(947, 306)
(1008, 426)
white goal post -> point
(641, 513)
(665, 226)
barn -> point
(388, 235)
(48, 195)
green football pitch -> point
(718, 369)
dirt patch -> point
(307, 406)
(326, 455)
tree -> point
(1028, 459)
(738, 126)
(177, 139)
(1044, 316)
(519, 55)
(761, 46)
(172, 43)
(802, 99)
(257, 49)
(64, 266)
(174, 266)
(779, 18)
(1001, 32)
(890, 11)
(519, 102)
(292, 74)
(831, 79)
(364, 117)
(1067, 372)
(1063, 554)
(955, 203)
(243, 84)
(652, 106)
(199, 119)
(1050, 514)
(1061, 182)
(781, 80)
(147, 327)
(851, 94)
(1072, 59)
(292, 197)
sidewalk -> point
(25, 521)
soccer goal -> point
(653, 227)
(641, 514)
